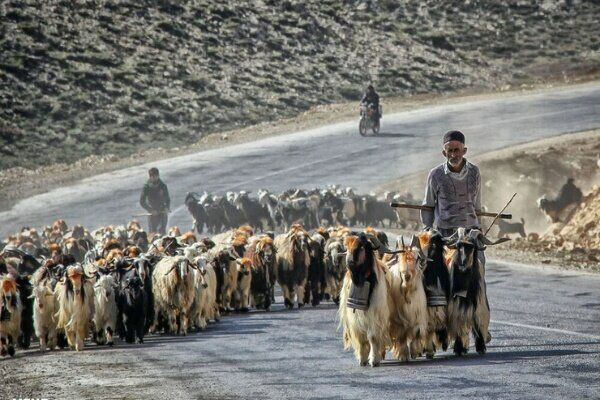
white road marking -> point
(542, 328)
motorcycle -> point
(368, 119)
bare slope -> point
(83, 77)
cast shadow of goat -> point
(392, 135)
(490, 358)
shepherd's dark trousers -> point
(158, 223)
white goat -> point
(44, 308)
(105, 315)
(76, 306)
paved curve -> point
(409, 142)
(546, 345)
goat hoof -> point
(244, 309)
(11, 351)
(110, 344)
(362, 363)
(429, 356)
(480, 347)
(3, 352)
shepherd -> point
(453, 193)
(155, 199)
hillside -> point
(97, 77)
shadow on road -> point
(562, 344)
(491, 358)
(393, 135)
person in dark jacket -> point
(371, 97)
(155, 199)
(569, 193)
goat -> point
(378, 211)
(408, 318)
(204, 307)
(241, 295)
(197, 210)
(10, 314)
(468, 308)
(76, 306)
(436, 279)
(505, 228)
(27, 328)
(44, 308)
(335, 267)
(173, 289)
(365, 326)
(316, 282)
(255, 213)
(262, 252)
(105, 305)
(293, 260)
(132, 303)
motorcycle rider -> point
(371, 97)
(155, 199)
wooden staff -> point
(498, 215)
(430, 208)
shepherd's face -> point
(454, 151)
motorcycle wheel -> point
(375, 129)
(362, 127)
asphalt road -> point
(409, 142)
(545, 323)
(546, 345)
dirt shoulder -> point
(532, 170)
(18, 183)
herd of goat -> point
(64, 284)
(333, 206)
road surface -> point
(545, 323)
(546, 345)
